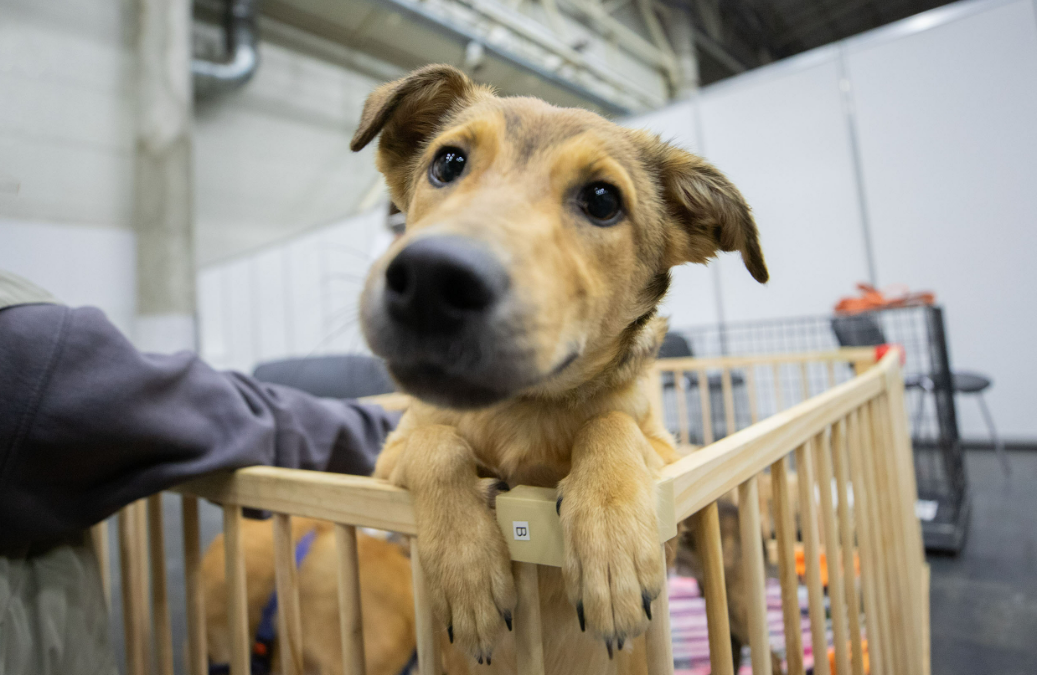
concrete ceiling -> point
(613, 56)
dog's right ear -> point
(407, 113)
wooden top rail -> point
(352, 500)
(863, 355)
(685, 487)
(703, 476)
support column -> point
(164, 208)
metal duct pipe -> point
(242, 40)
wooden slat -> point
(902, 471)
(159, 592)
(906, 570)
(706, 405)
(804, 372)
(529, 643)
(785, 533)
(833, 555)
(840, 441)
(704, 476)
(889, 534)
(862, 355)
(140, 522)
(926, 634)
(750, 385)
(831, 374)
(812, 556)
(679, 390)
(878, 626)
(340, 498)
(136, 624)
(754, 575)
(393, 401)
(424, 623)
(350, 620)
(237, 598)
(289, 619)
(197, 649)
(658, 643)
(99, 544)
(729, 401)
(708, 543)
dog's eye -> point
(447, 166)
(601, 203)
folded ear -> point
(407, 113)
(709, 213)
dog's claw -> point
(619, 643)
(646, 602)
(450, 633)
(487, 659)
(502, 486)
(608, 646)
(558, 506)
(583, 619)
(480, 659)
(507, 619)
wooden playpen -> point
(851, 497)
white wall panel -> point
(81, 265)
(270, 291)
(66, 112)
(781, 136)
(297, 298)
(212, 318)
(692, 298)
(948, 126)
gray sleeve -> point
(88, 424)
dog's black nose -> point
(438, 284)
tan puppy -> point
(519, 307)
(386, 598)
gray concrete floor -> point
(984, 601)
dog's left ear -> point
(407, 112)
(710, 213)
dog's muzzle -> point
(440, 318)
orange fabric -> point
(801, 564)
(864, 654)
(871, 299)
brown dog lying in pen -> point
(520, 310)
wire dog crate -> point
(943, 505)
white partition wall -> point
(781, 136)
(947, 119)
(692, 298)
(942, 111)
(297, 298)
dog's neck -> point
(638, 346)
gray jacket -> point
(88, 425)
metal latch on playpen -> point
(533, 530)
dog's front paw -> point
(613, 565)
(468, 574)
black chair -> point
(862, 330)
(344, 376)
